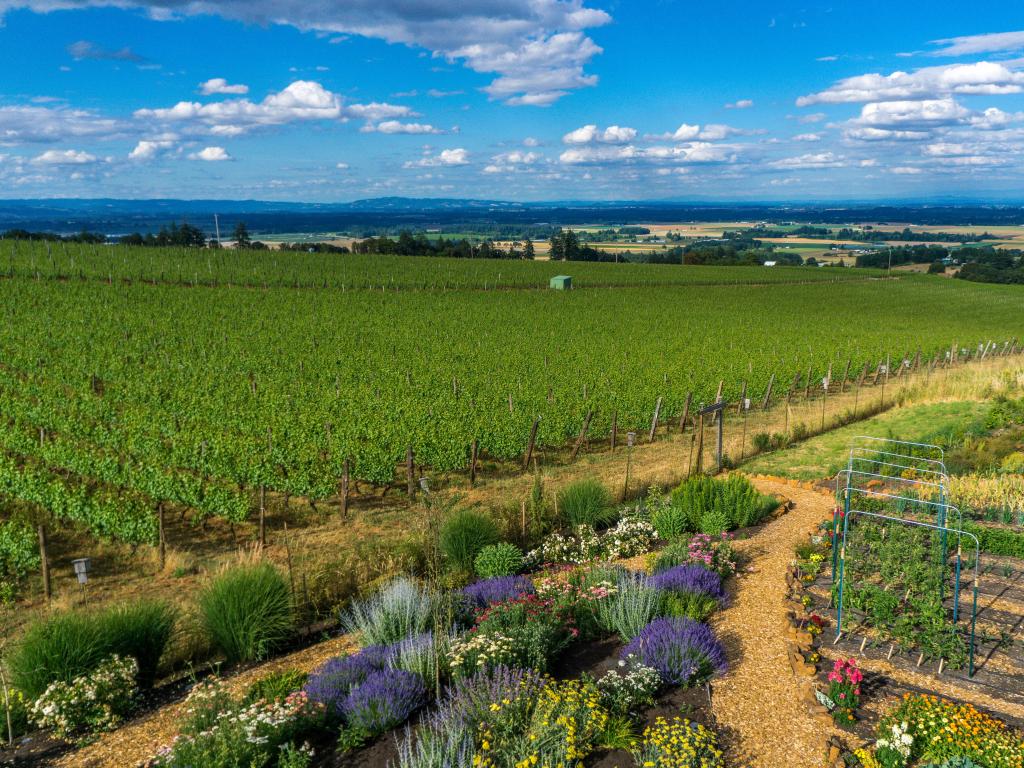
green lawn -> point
(824, 455)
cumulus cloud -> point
(590, 134)
(64, 157)
(807, 137)
(447, 157)
(148, 149)
(693, 152)
(537, 49)
(741, 104)
(905, 120)
(34, 124)
(211, 155)
(511, 161)
(394, 127)
(982, 77)
(218, 85)
(85, 49)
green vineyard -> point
(119, 393)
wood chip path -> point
(759, 704)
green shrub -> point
(671, 522)
(586, 502)
(276, 686)
(502, 559)
(400, 610)
(13, 709)
(676, 553)
(633, 605)
(712, 506)
(19, 554)
(997, 541)
(96, 701)
(464, 534)
(247, 612)
(691, 605)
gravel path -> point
(759, 704)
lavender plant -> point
(383, 700)
(685, 652)
(496, 590)
(332, 682)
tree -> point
(557, 252)
(937, 268)
(241, 236)
(528, 250)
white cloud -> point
(30, 125)
(530, 141)
(64, 157)
(220, 85)
(827, 58)
(905, 170)
(807, 137)
(85, 49)
(814, 117)
(447, 157)
(693, 152)
(536, 48)
(147, 149)
(972, 44)
(686, 132)
(589, 134)
(511, 161)
(811, 161)
(395, 127)
(741, 104)
(904, 120)
(378, 110)
(982, 77)
(211, 155)
(342, 166)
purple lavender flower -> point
(690, 578)
(383, 700)
(685, 652)
(496, 590)
(334, 680)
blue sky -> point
(511, 99)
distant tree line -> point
(81, 237)
(408, 244)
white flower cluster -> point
(481, 650)
(900, 742)
(632, 535)
(93, 702)
(631, 690)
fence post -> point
(654, 421)
(582, 436)
(531, 444)
(768, 393)
(45, 562)
(410, 473)
(686, 412)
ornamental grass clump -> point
(68, 645)
(678, 743)
(685, 652)
(586, 502)
(247, 612)
(632, 606)
(426, 655)
(401, 609)
(463, 535)
(496, 590)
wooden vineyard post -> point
(162, 542)
(768, 393)
(689, 461)
(583, 435)
(846, 375)
(474, 455)
(807, 384)
(615, 428)
(885, 378)
(740, 407)
(410, 474)
(878, 372)
(263, 515)
(44, 562)
(654, 420)
(531, 444)
(718, 398)
(686, 412)
(700, 442)
(344, 488)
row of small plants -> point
(19, 555)
(245, 613)
(925, 730)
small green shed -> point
(561, 283)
